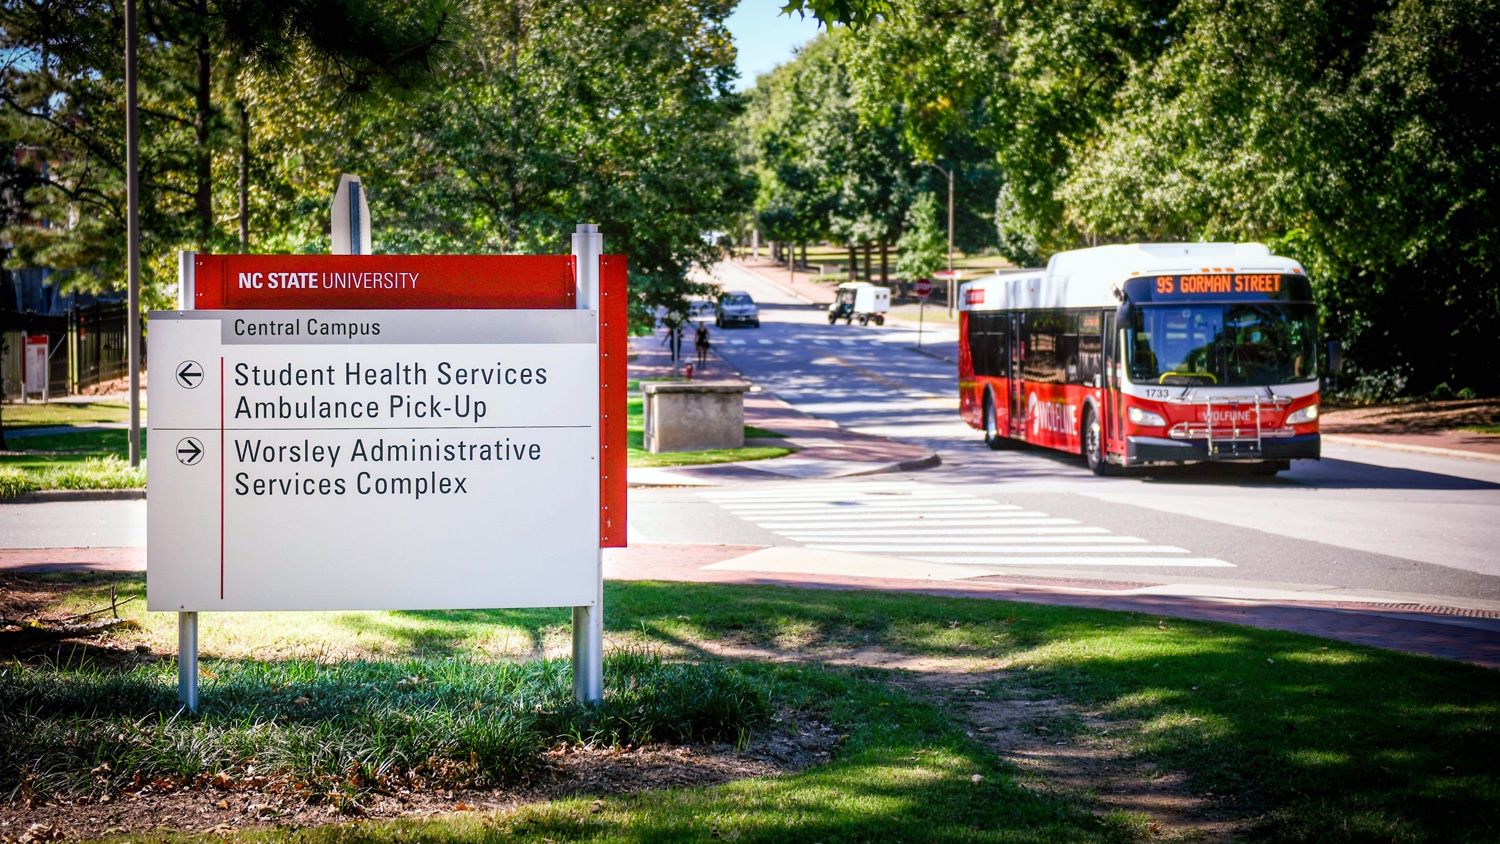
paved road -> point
(1362, 522)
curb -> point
(47, 496)
(1342, 439)
(923, 351)
(931, 461)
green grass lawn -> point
(1300, 739)
(1483, 429)
(49, 414)
(82, 460)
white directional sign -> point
(374, 460)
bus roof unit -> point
(1089, 278)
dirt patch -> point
(33, 632)
(1416, 418)
(794, 744)
(1074, 754)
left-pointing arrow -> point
(189, 451)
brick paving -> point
(38, 560)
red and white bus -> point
(1146, 355)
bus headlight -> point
(1140, 416)
(1303, 416)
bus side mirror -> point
(1335, 356)
(1123, 315)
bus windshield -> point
(1226, 345)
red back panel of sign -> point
(397, 282)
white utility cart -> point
(860, 300)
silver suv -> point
(737, 308)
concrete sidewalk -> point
(823, 449)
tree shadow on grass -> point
(1329, 741)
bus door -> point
(1110, 421)
(1015, 374)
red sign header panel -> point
(259, 282)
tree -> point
(63, 85)
(1361, 145)
(924, 244)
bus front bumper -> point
(1143, 451)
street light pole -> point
(949, 173)
(133, 234)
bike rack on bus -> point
(1205, 430)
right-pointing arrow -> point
(189, 451)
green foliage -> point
(61, 90)
(924, 244)
(75, 472)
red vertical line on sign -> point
(221, 478)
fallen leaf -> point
(42, 832)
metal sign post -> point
(923, 289)
(588, 621)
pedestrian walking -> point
(701, 342)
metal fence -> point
(85, 347)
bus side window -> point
(1090, 349)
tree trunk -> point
(868, 276)
(885, 263)
(804, 256)
(244, 179)
(853, 263)
(204, 196)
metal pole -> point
(588, 621)
(187, 622)
(950, 220)
(950, 241)
(187, 660)
(133, 235)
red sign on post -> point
(923, 287)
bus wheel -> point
(1093, 444)
(992, 435)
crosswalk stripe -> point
(881, 518)
(764, 342)
(921, 520)
(836, 494)
(1058, 530)
(1000, 551)
(1160, 562)
(872, 506)
(824, 490)
(913, 538)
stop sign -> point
(923, 287)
